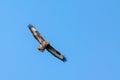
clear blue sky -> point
(87, 32)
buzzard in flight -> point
(44, 44)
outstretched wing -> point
(36, 34)
(55, 53)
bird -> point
(45, 45)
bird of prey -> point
(44, 44)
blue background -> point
(87, 32)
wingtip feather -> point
(64, 59)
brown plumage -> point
(45, 45)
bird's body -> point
(45, 44)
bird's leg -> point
(43, 46)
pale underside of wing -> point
(36, 34)
(55, 53)
(39, 38)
